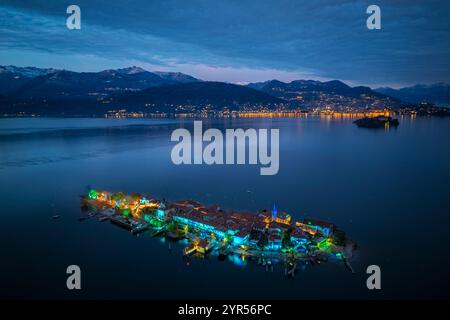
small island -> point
(267, 237)
(376, 122)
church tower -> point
(274, 212)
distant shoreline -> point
(243, 115)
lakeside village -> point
(267, 237)
(325, 111)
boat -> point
(189, 250)
(174, 235)
(376, 122)
(139, 228)
(121, 222)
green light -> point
(126, 212)
(324, 244)
(93, 194)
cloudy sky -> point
(236, 40)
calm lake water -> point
(389, 190)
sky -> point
(237, 41)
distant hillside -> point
(216, 94)
(176, 77)
(12, 78)
(308, 93)
(174, 98)
(64, 83)
(436, 93)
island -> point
(376, 122)
(267, 237)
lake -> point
(388, 189)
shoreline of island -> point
(267, 237)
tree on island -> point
(286, 238)
(263, 240)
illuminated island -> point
(267, 237)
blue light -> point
(160, 213)
(274, 212)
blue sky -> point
(236, 40)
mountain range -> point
(438, 93)
(292, 89)
(62, 92)
(34, 82)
